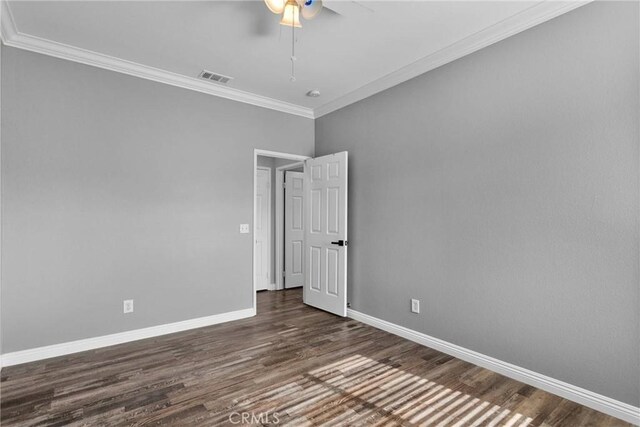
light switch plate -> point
(244, 228)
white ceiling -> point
(362, 48)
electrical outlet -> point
(128, 305)
(244, 228)
(415, 305)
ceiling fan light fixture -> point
(291, 15)
(276, 6)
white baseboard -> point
(576, 394)
(55, 350)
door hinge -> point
(283, 273)
(284, 185)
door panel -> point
(332, 271)
(259, 264)
(296, 253)
(296, 214)
(263, 229)
(326, 210)
(333, 210)
(314, 270)
(294, 230)
(316, 211)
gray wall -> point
(115, 187)
(502, 191)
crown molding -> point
(515, 24)
(62, 51)
(8, 28)
(14, 38)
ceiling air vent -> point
(218, 78)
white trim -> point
(280, 220)
(2, 12)
(269, 236)
(279, 228)
(290, 166)
(515, 24)
(56, 350)
(8, 27)
(266, 153)
(14, 38)
(579, 395)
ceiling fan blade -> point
(348, 8)
(311, 8)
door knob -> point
(340, 243)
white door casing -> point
(263, 228)
(325, 201)
(294, 230)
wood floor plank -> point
(305, 366)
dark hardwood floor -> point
(289, 365)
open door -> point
(294, 230)
(325, 244)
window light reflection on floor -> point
(360, 391)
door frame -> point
(266, 153)
(279, 211)
(269, 230)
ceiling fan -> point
(292, 9)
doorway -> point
(267, 226)
(311, 208)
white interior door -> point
(294, 230)
(325, 200)
(263, 228)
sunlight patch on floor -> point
(361, 391)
